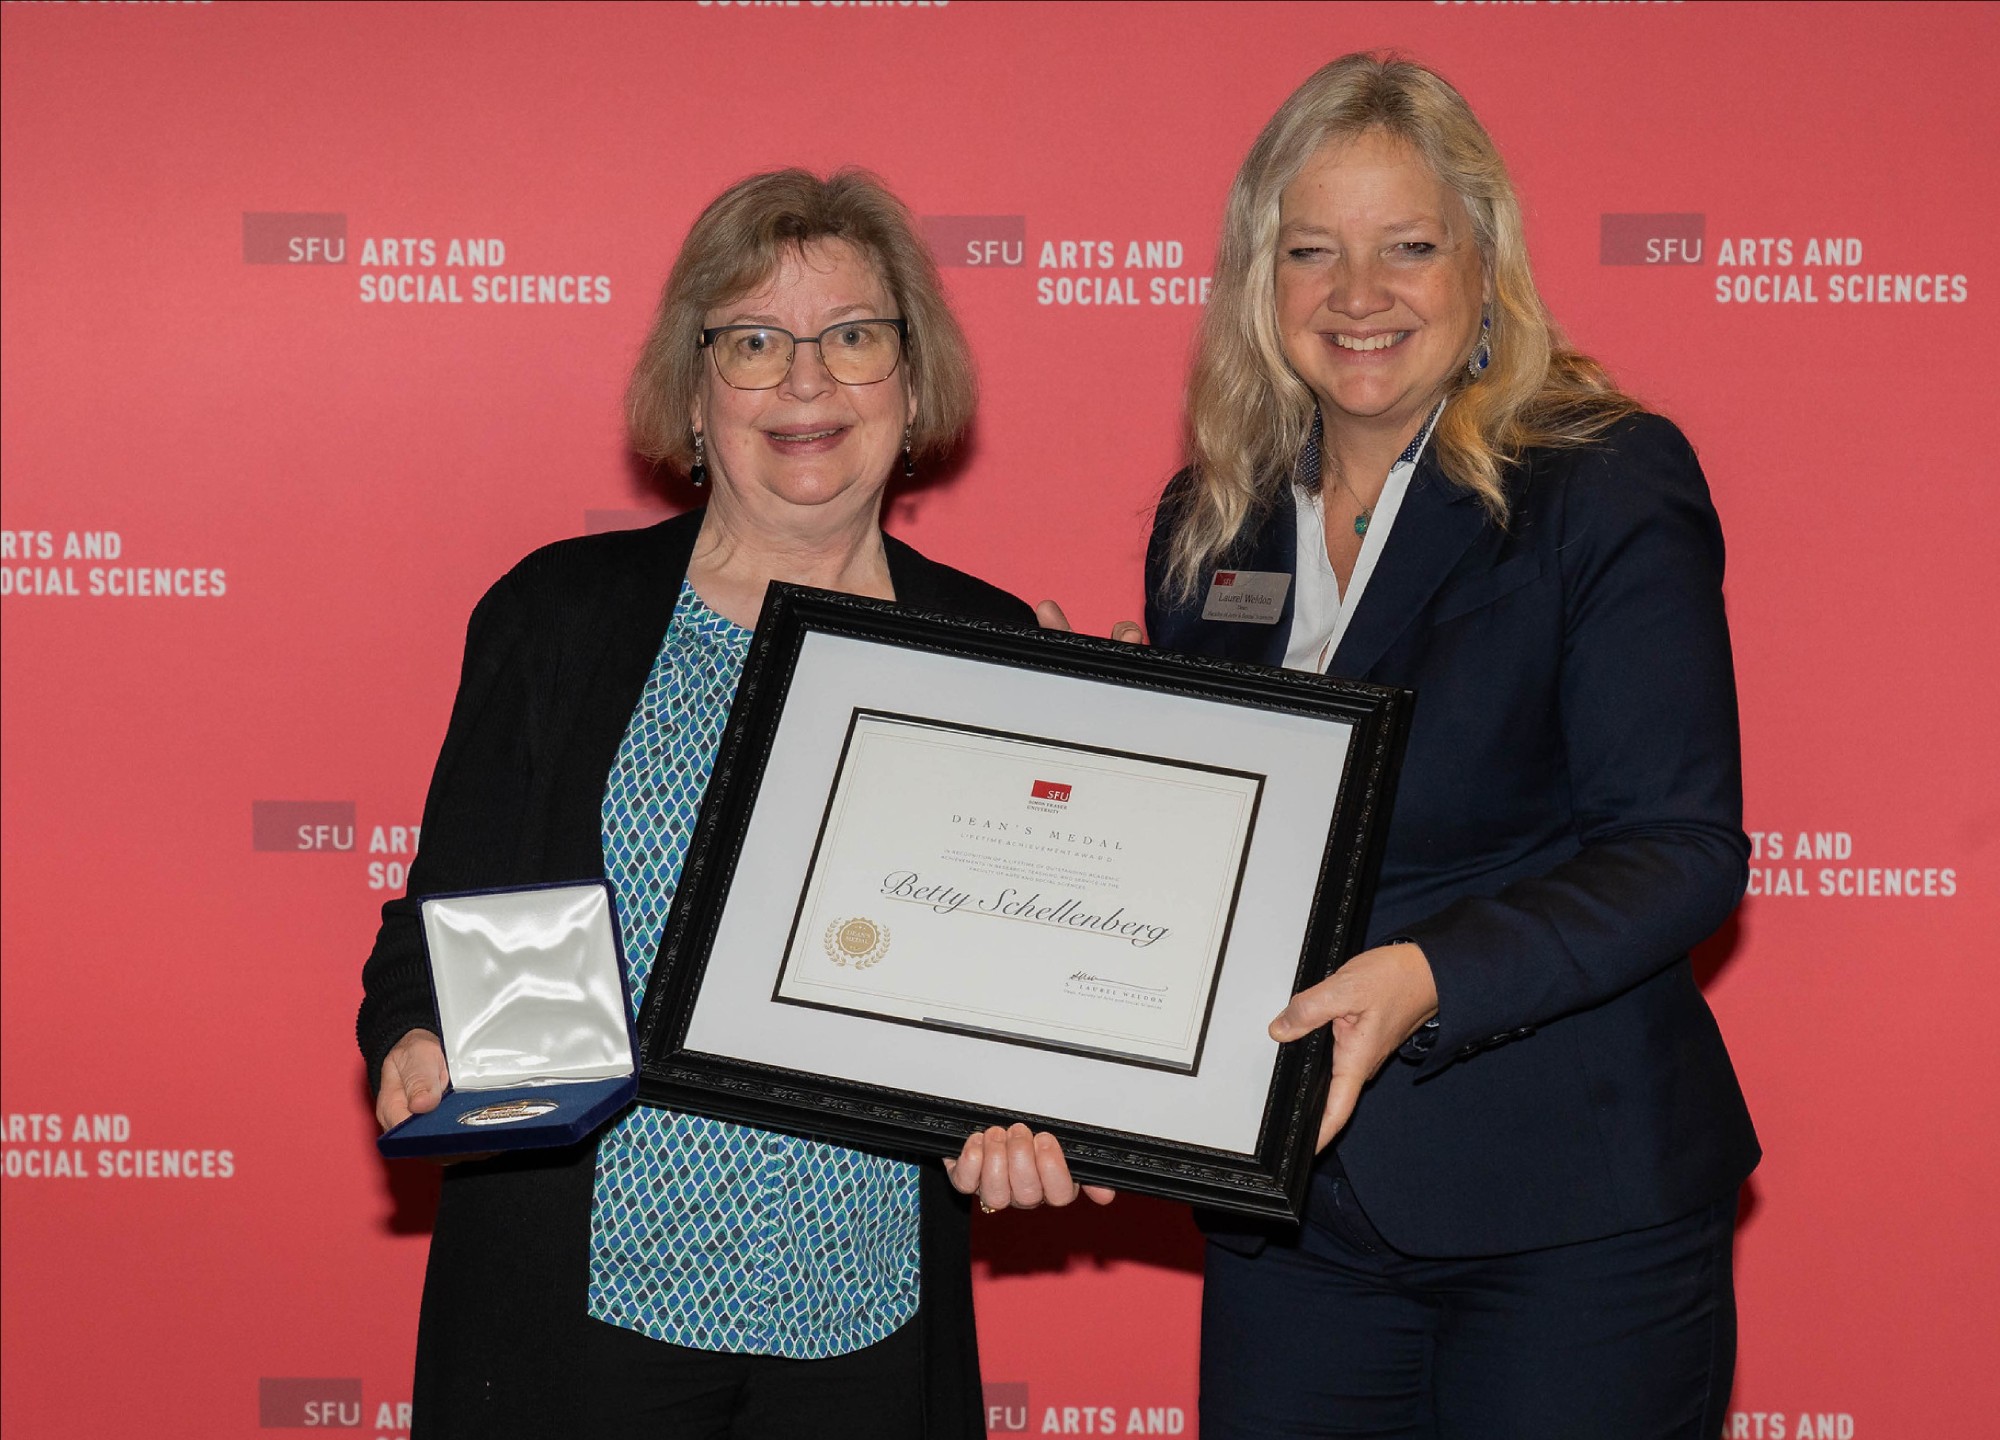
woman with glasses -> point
(1521, 1218)
(681, 1276)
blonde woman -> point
(1521, 1219)
(678, 1276)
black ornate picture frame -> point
(889, 1083)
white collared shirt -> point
(1320, 612)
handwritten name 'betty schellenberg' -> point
(1013, 904)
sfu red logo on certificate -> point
(1050, 790)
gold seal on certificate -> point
(861, 942)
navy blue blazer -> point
(1567, 826)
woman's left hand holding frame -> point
(1015, 1168)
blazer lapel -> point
(1437, 523)
(1274, 551)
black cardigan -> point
(556, 656)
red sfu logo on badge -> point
(1050, 790)
(1225, 577)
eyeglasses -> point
(758, 357)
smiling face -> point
(811, 441)
(1380, 283)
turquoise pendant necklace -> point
(1361, 512)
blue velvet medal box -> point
(535, 1018)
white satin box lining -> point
(530, 986)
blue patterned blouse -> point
(702, 1233)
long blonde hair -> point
(1248, 413)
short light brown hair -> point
(735, 248)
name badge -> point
(1248, 597)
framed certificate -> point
(948, 875)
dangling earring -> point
(698, 472)
(909, 461)
(1483, 356)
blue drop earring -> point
(698, 472)
(1483, 356)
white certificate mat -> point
(739, 1013)
(1011, 886)
(950, 875)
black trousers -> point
(636, 1387)
(1632, 1337)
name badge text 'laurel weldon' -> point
(1246, 597)
(1117, 874)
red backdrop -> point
(248, 505)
